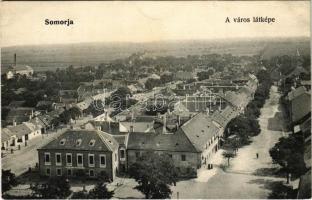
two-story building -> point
(77, 153)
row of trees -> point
(239, 130)
(288, 152)
(54, 188)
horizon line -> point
(161, 41)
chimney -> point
(109, 126)
(15, 59)
(14, 122)
(178, 119)
(165, 124)
(132, 116)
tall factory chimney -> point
(15, 59)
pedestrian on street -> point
(257, 155)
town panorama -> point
(185, 120)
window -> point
(79, 160)
(69, 160)
(183, 157)
(58, 159)
(91, 173)
(59, 172)
(170, 155)
(92, 142)
(78, 142)
(48, 172)
(69, 172)
(102, 160)
(91, 160)
(47, 160)
(137, 154)
(62, 142)
(122, 153)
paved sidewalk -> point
(204, 174)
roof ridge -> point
(108, 144)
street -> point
(247, 177)
(16, 161)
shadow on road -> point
(277, 189)
(273, 172)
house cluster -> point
(108, 146)
(26, 127)
(298, 108)
(19, 69)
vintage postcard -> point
(155, 100)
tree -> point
(120, 100)
(154, 173)
(54, 188)
(288, 153)
(80, 195)
(8, 180)
(228, 155)
(165, 78)
(74, 112)
(205, 74)
(151, 83)
(100, 191)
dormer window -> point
(91, 143)
(78, 142)
(62, 142)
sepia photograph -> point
(155, 100)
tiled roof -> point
(224, 117)
(33, 126)
(36, 121)
(138, 126)
(236, 99)
(102, 141)
(200, 130)
(16, 103)
(301, 106)
(20, 130)
(6, 134)
(161, 142)
(108, 127)
(295, 93)
(121, 139)
(20, 114)
(20, 67)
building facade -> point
(80, 153)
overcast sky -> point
(23, 22)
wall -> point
(192, 159)
(97, 169)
